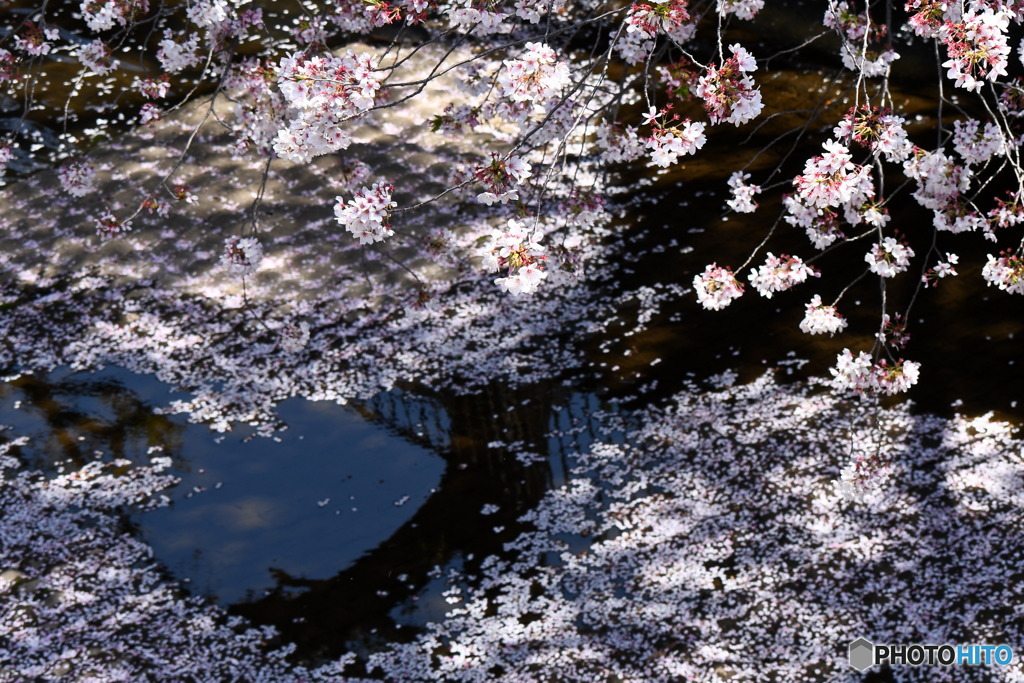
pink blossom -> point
(778, 274)
(536, 76)
(889, 257)
(821, 319)
(742, 194)
(717, 287)
(242, 255)
(367, 215)
(519, 254)
(1005, 272)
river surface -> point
(338, 530)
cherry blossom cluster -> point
(537, 75)
(821, 225)
(779, 273)
(518, 253)
(880, 131)
(940, 179)
(533, 10)
(77, 177)
(466, 14)
(103, 15)
(109, 225)
(672, 139)
(36, 41)
(500, 177)
(977, 144)
(368, 214)
(1005, 272)
(326, 91)
(157, 205)
(889, 257)
(822, 319)
(619, 144)
(729, 93)
(743, 9)
(861, 374)
(178, 52)
(97, 57)
(742, 194)
(941, 270)
(645, 21)
(717, 287)
(863, 49)
(651, 18)
(927, 17)
(977, 46)
(833, 180)
(1006, 213)
(242, 255)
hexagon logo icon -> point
(862, 654)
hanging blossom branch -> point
(536, 93)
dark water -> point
(333, 531)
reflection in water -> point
(307, 503)
(77, 418)
(379, 596)
(332, 532)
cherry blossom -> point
(977, 47)
(649, 18)
(36, 41)
(78, 177)
(729, 94)
(520, 255)
(109, 225)
(294, 337)
(821, 319)
(889, 257)
(779, 273)
(535, 76)
(242, 255)
(367, 215)
(743, 9)
(102, 15)
(178, 53)
(863, 49)
(941, 270)
(742, 194)
(97, 57)
(1005, 272)
(975, 144)
(717, 287)
(500, 177)
(880, 131)
(861, 374)
(668, 141)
